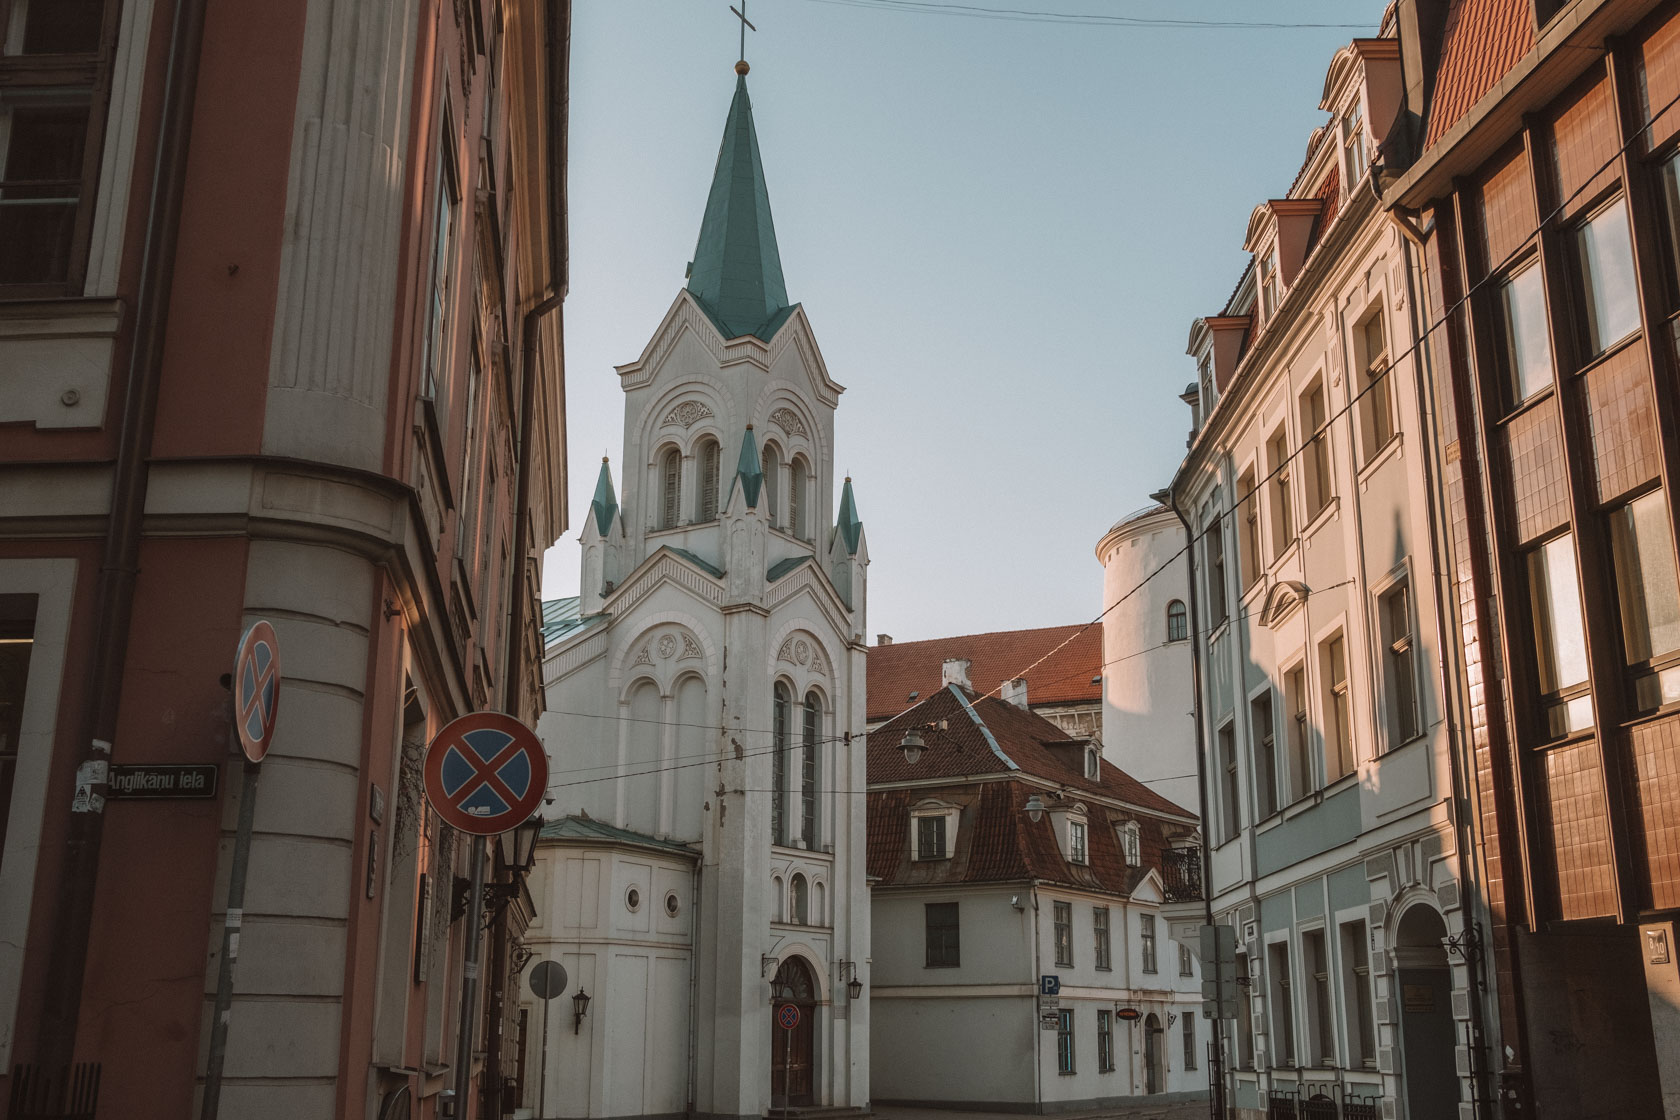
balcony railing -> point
(1181, 872)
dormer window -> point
(1353, 143)
(1268, 285)
(933, 830)
(930, 838)
(1131, 846)
(1077, 852)
(1093, 763)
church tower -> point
(706, 706)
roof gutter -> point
(120, 564)
(558, 43)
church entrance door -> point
(791, 1073)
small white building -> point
(1005, 853)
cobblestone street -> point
(1165, 1110)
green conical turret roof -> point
(749, 470)
(736, 274)
(851, 529)
(605, 505)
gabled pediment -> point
(686, 316)
(1282, 601)
(666, 565)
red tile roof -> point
(1482, 40)
(995, 840)
(897, 670)
(1028, 743)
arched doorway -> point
(1154, 1051)
(791, 1073)
(1427, 1032)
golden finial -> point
(741, 68)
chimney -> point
(883, 639)
(955, 672)
(1015, 692)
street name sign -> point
(160, 781)
(256, 688)
(485, 773)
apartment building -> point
(1323, 731)
(279, 338)
(1538, 170)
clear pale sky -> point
(1001, 232)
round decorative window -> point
(633, 899)
(672, 903)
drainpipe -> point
(1412, 243)
(1038, 970)
(120, 563)
(1167, 498)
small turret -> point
(746, 527)
(848, 557)
(603, 540)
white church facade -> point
(706, 848)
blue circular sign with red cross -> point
(485, 773)
(788, 1016)
(256, 688)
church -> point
(704, 861)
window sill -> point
(68, 345)
(1323, 517)
(1389, 450)
(928, 966)
(1610, 352)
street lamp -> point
(912, 746)
(525, 845)
(1035, 808)
(580, 1008)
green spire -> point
(605, 505)
(736, 274)
(851, 529)
(749, 470)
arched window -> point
(808, 771)
(796, 498)
(707, 507)
(819, 903)
(670, 484)
(1178, 622)
(780, 717)
(780, 907)
(772, 483)
(801, 905)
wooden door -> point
(792, 1078)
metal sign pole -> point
(542, 1077)
(787, 1071)
(230, 943)
(469, 982)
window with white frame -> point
(1297, 732)
(1321, 1022)
(1338, 707)
(1374, 385)
(1560, 643)
(1264, 733)
(1093, 763)
(1353, 143)
(1281, 1003)
(1064, 1041)
(1099, 930)
(1356, 990)
(1315, 459)
(1062, 918)
(1228, 802)
(1178, 621)
(1399, 663)
(1213, 544)
(1076, 842)
(1131, 843)
(1268, 285)
(1105, 1041)
(1280, 465)
(1186, 967)
(1146, 941)
(1245, 1012)
(1189, 1021)
(933, 830)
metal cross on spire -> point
(741, 14)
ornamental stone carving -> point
(788, 421)
(643, 658)
(667, 646)
(691, 648)
(688, 414)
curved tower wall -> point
(1148, 729)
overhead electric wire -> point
(1492, 273)
(1084, 19)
